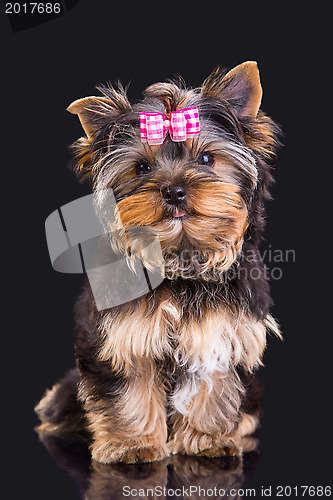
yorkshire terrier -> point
(172, 371)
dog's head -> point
(202, 196)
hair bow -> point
(155, 126)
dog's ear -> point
(96, 112)
(91, 112)
(240, 88)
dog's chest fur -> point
(195, 332)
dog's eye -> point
(142, 168)
(206, 159)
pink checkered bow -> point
(155, 126)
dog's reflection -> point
(178, 477)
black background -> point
(47, 67)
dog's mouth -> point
(178, 213)
(175, 213)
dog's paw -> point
(205, 445)
(149, 454)
(227, 448)
(129, 452)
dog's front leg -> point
(129, 424)
(207, 415)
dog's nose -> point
(174, 195)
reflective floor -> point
(176, 477)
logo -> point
(121, 265)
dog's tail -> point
(59, 410)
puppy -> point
(172, 371)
